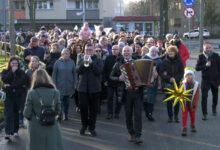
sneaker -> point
(92, 133)
(7, 136)
(204, 117)
(131, 138)
(16, 134)
(184, 132)
(109, 116)
(138, 141)
(193, 128)
(150, 117)
(170, 119)
(176, 119)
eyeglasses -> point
(114, 49)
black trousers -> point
(11, 113)
(205, 91)
(111, 91)
(133, 101)
(88, 103)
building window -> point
(92, 4)
(125, 27)
(47, 4)
(149, 29)
(19, 5)
(177, 22)
(74, 4)
(139, 26)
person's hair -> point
(206, 42)
(172, 48)
(65, 51)
(88, 45)
(30, 64)
(8, 67)
(102, 39)
(74, 47)
(61, 41)
(130, 48)
(40, 77)
(144, 47)
(57, 45)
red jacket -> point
(184, 53)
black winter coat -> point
(89, 77)
(209, 74)
(50, 61)
(173, 68)
(109, 63)
(16, 81)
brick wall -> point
(19, 14)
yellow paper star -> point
(178, 94)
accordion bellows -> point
(138, 73)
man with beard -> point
(183, 51)
(133, 99)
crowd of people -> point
(85, 66)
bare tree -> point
(32, 12)
(11, 27)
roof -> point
(136, 18)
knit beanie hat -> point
(189, 70)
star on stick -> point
(178, 94)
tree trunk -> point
(166, 28)
(11, 27)
(161, 20)
(32, 13)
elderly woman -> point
(42, 137)
(171, 69)
(152, 91)
(65, 78)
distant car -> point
(195, 34)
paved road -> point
(159, 135)
(193, 45)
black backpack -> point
(47, 115)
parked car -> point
(195, 34)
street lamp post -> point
(84, 14)
(201, 24)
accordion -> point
(138, 73)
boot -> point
(170, 119)
(184, 132)
(204, 117)
(150, 117)
(214, 110)
(145, 109)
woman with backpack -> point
(43, 97)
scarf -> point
(208, 56)
(152, 57)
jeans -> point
(110, 96)
(65, 102)
(133, 101)
(170, 107)
(11, 114)
(88, 109)
(205, 97)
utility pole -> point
(84, 13)
(201, 24)
(161, 19)
(11, 27)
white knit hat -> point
(189, 70)
(153, 48)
